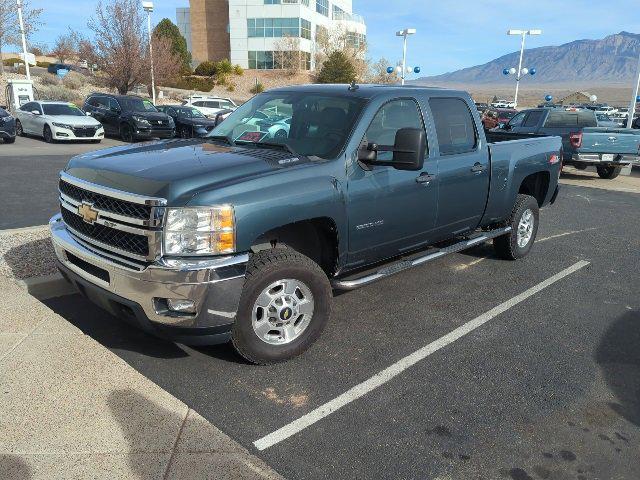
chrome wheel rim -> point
(282, 312)
(525, 228)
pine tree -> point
(337, 69)
(166, 28)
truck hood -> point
(177, 169)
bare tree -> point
(167, 63)
(342, 40)
(9, 27)
(378, 73)
(65, 47)
(120, 44)
(288, 56)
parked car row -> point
(127, 117)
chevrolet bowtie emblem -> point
(88, 214)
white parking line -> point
(400, 366)
(565, 234)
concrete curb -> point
(49, 286)
(11, 231)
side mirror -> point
(35, 112)
(409, 149)
(88, 114)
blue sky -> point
(452, 34)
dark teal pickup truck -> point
(244, 235)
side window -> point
(113, 104)
(27, 107)
(390, 118)
(517, 120)
(455, 127)
(588, 119)
(198, 104)
(171, 111)
(561, 119)
(533, 118)
(102, 102)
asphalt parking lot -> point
(29, 178)
(545, 386)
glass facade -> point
(356, 40)
(273, 60)
(286, 2)
(322, 6)
(278, 27)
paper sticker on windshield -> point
(147, 103)
(251, 136)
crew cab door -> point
(463, 167)
(390, 210)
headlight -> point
(199, 231)
(62, 125)
(141, 120)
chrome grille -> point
(126, 224)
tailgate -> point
(610, 140)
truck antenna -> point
(353, 87)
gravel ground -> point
(26, 254)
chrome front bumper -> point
(214, 284)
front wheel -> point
(524, 228)
(47, 134)
(126, 133)
(19, 129)
(285, 305)
(609, 172)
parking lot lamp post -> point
(405, 33)
(148, 7)
(523, 34)
(24, 39)
(634, 99)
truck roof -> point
(364, 90)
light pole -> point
(634, 99)
(24, 39)
(523, 34)
(148, 7)
(405, 33)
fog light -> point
(181, 305)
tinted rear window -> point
(454, 125)
(533, 119)
(571, 119)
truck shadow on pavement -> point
(619, 358)
(117, 334)
(13, 467)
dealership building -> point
(250, 33)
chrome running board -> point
(399, 266)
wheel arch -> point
(536, 185)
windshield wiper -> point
(222, 138)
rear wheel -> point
(285, 305)
(524, 228)
(609, 172)
(186, 132)
(10, 140)
(47, 134)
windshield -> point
(310, 124)
(61, 109)
(190, 112)
(136, 105)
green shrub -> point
(231, 88)
(237, 70)
(206, 69)
(43, 64)
(224, 67)
(337, 69)
(9, 62)
(194, 83)
(257, 88)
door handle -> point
(425, 178)
(478, 168)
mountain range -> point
(613, 59)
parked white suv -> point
(55, 121)
(209, 106)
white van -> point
(208, 105)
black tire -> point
(580, 166)
(10, 140)
(96, 141)
(186, 132)
(507, 246)
(608, 172)
(19, 130)
(265, 268)
(47, 134)
(126, 133)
